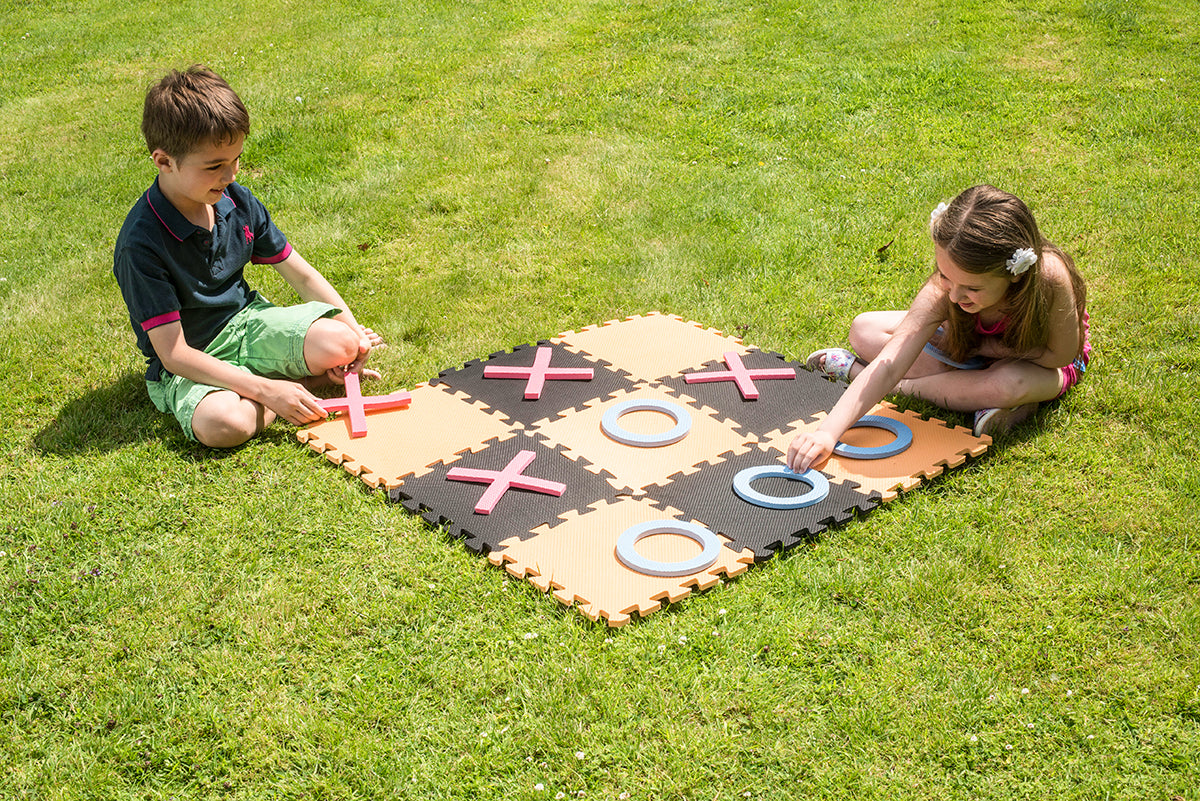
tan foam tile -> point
(399, 442)
(936, 446)
(653, 346)
(576, 560)
(581, 436)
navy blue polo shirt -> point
(170, 269)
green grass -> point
(176, 623)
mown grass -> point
(475, 175)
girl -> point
(999, 327)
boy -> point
(221, 358)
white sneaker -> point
(989, 422)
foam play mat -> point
(628, 464)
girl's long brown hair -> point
(980, 230)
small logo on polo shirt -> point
(249, 234)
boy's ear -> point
(162, 160)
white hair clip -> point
(1021, 260)
(938, 212)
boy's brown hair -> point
(188, 109)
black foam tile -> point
(507, 395)
(708, 496)
(780, 401)
(445, 502)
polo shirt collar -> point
(179, 226)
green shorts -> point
(262, 339)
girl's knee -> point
(870, 331)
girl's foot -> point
(832, 363)
(989, 422)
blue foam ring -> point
(628, 555)
(610, 426)
(742, 486)
(904, 438)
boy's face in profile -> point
(198, 179)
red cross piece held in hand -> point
(357, 406)
(502, 480)
(738, 372)
(540, 373)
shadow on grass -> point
(108, 418)
(111, 417)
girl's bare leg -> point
(1005, 384)
(870, 331)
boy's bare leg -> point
(331, 344)
(224, 419)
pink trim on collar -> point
(150, 203)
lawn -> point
(182, 623)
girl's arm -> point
(1062, 346)
(927, 312)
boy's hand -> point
(809, 449)
(293, 402)
(368, 341)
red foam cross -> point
(502, 480)
(738, 372)
(357, 406)
(540, 373)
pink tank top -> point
(995, 331)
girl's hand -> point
(809, 449)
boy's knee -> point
(226, 420)
(328, 344)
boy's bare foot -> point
(331, 378)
